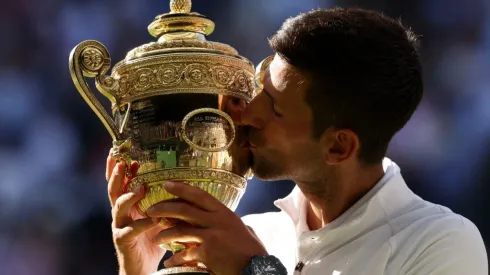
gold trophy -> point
(172, 105)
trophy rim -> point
(239, 82)
(181, 269)
(187, 173)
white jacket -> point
(388, 231)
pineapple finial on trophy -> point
(180, 6)
(180, 22)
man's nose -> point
(255, 113)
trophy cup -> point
(172, 105)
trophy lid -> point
(182, 61)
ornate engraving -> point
(181, 73)
(171, 44)
(124, 84)
(196, 74)
(181, 270)
(171, 25)
(170, 74)
(222, 76)
(144, 79)
(182, 173)
(120, 152)
(242, 83)
(92, 59)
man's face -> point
(280, 126)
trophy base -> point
(182, 270)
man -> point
(341, 84)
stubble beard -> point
(268, 168)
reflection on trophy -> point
(172, 104)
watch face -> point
(267, 265)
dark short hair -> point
(364, 72)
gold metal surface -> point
(183, 72)
(91, 59)
(223, 185)
(260, 72)
(203, 129)
(181, 270)
(168, 45)
(180, 6)
(172, 103)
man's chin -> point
(266, 173)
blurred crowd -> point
(54, 213)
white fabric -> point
(388, 231)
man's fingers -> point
(114, 188)
(111, 162)
(183, 211)
(133, 230)
(122, 206)
(189, 255)
(194, 195)
(134, 168)
(182, 232)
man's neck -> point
(323, 209)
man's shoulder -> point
(429, 220)
(436, 239)
(448, 227)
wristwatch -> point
(265, 265)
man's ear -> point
(339, 145)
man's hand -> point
(225, 245)
(132, 233)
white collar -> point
(390, 191)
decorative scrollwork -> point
(222, 76)
(120, 152)
(144, 79)
(196, 74)
(172, 44)
(182, 73)
(170, 74)
(124, 85)
(242, 82)
(92, 59)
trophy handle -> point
(91, 59)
